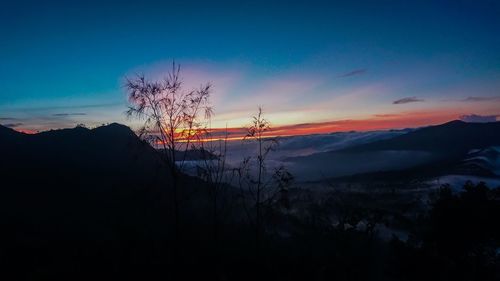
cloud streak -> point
(69, 114)
(13, 125)
(386, 115)
(475, 118)
(382, 122)
(68, 107)
(353, 73)
(480, 98)
(407, 100)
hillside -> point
(430, 150)
(449, 138)
(107, 156)
(72, 197)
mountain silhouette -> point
(105, 157)
(429, 151)
(72, 197)
(80, 203)
(455, 137)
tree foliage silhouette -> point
(172, 119)
(254, 179)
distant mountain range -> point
(455, 137)
(112, 155)
(432, 150)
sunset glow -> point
(320, 75)
(250, 139)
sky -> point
(313, 66)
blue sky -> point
(64, 63)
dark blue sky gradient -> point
(76, 53)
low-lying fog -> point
(305, 156)
(337, 164)
(320, 157)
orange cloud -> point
(377, 122)
(27, 131)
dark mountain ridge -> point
(73, 197)
(113, 153)
(449, 143)
(424, 152)
(79, 204)
(452, 137)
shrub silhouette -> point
(172, 119)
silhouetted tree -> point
(258, 185)
(284, 179)
(172, 118)
(213, 169)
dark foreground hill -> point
(81, 204)
(113, 154)
(81, 200)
